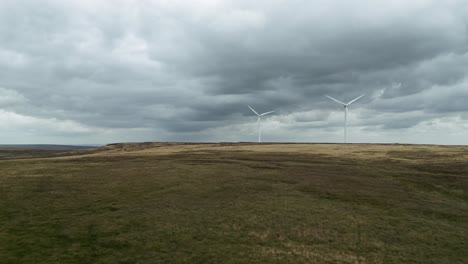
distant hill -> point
(46, 146)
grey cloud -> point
(187, 68)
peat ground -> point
(235, 203)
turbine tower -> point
(258, 121)
(345, 110)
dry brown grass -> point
(395, 152)
(237, 203)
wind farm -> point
(234, 202)
(232, 132)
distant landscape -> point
(46, 146)
(235, 203)
(19, 151)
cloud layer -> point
(102, 71)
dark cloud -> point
(180, 69)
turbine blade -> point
(335, 100)
(253, 110)
(354, 100)
(267, 113)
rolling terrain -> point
(235, 203)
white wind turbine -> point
(258, 121)
(345, 110)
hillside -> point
(236, 203)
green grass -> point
(234, 206)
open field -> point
(35, 151)
(235, 203)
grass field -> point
(235, 203)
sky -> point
(97, 72)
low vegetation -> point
(235, 203)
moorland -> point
(235, 203)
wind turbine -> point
(258, 121)
(345, 110)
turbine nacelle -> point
(344, 104)
(259, 115)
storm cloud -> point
(78, 72)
